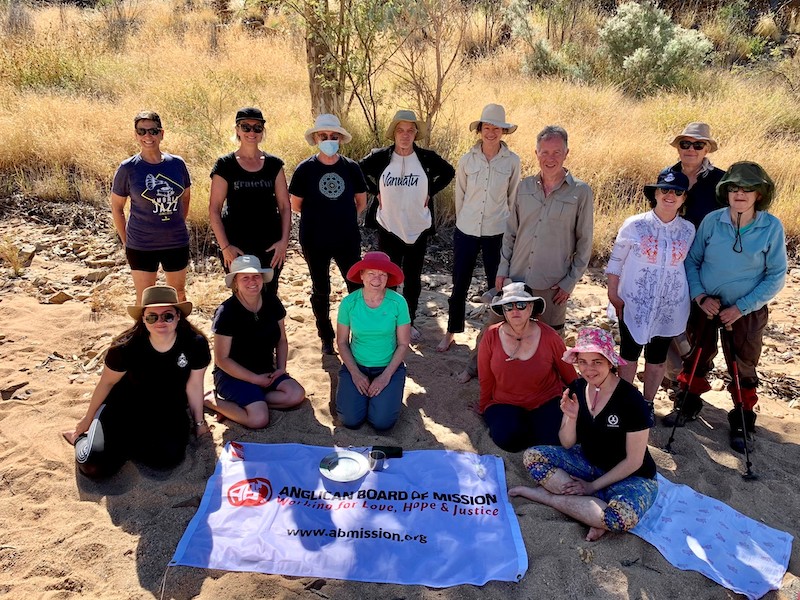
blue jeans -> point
(381, 411)
(465, 257)
(627, 499)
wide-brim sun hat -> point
(409, 116)
(594, 339)
(750, 175)
(667, 180)
(327, 122)
(378, 261)
(159, 295)
(247, 263)
(698, 131)
(493, 114)
(517, 292)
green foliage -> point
(647, 51)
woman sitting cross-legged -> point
(250, 349)
(521, 373)
(604, 475)
(373, 332)
(153, 372)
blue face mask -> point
(329, 147)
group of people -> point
(677, 275)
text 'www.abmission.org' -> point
(359, 534)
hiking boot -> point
(742, 434)
(690, 409)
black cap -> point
(249, 112)
(667, 180)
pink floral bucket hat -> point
(594, 339)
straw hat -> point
(697, 131)
(379, 261)
(160, 295)
(327, 122)
(493, 114)
(593, 339)
(409, 116)
(247, 263)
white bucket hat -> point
(517, 292)
(327, 122)
(247, 263)
(494, 114)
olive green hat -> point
(750, 175)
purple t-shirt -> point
(156, 220)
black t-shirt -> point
(255, 335)
(602, 438)
(250, 214)
(328, 216)
(155, 380)
(701, 198)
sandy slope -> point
(62, 536)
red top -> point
(526, 383)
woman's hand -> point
(378, 384)
(577, 487)
(230, 253)
(569, 405)
(709, 305)
(279, 248)
(728, 316)
(81, 428)
(361, 382)
(201, 430)
(617, 302)
(271, 377)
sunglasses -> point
(733, 189)
(254, 128)
(145, 130)
(153, 318)
(678, 193)
(686, 144)
(520, 305)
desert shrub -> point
(647, 51)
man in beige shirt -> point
(548, 239)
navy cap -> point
(249, 112)
(667, 180)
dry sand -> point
(63, 536)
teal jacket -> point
(748, 279)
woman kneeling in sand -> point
(604, 475)
(152, 372)
(250, 349)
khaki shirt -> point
(548, 241)
(484, 190)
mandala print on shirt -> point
(331, 185)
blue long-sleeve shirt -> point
(748, 279)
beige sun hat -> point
(327, 122)
(494, 114)
(409, 116)
(697, 131)
(159, 295)
(247, 263)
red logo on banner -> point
(250, 492)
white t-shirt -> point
(403, 189)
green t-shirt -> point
(373, 331)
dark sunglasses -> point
(678, 193)
(145, 130)
(153, 318)
(686, 144)
(737, 188)
(520, 305)
(254, 128)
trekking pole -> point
(748, 475)
(698, 348)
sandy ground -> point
(63, 536)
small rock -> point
(97, 275)
(8, 391)
(101, 264)
(297, 317)
(718, 385)
(26, 254)
(794, 404)
(59, 298)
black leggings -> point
(114, 438)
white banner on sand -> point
(433, 517)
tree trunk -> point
(322, 82)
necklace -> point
(247, 306)
(518, 339)
(597, 392)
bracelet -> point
(199, 423)
(225, 248)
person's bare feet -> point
(415, 334)
(70, 436)
(537, 494)
(209, 401)
(446, 342)
(595, 533)
(463, 377)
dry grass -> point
(10, 256)
(67, 126)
